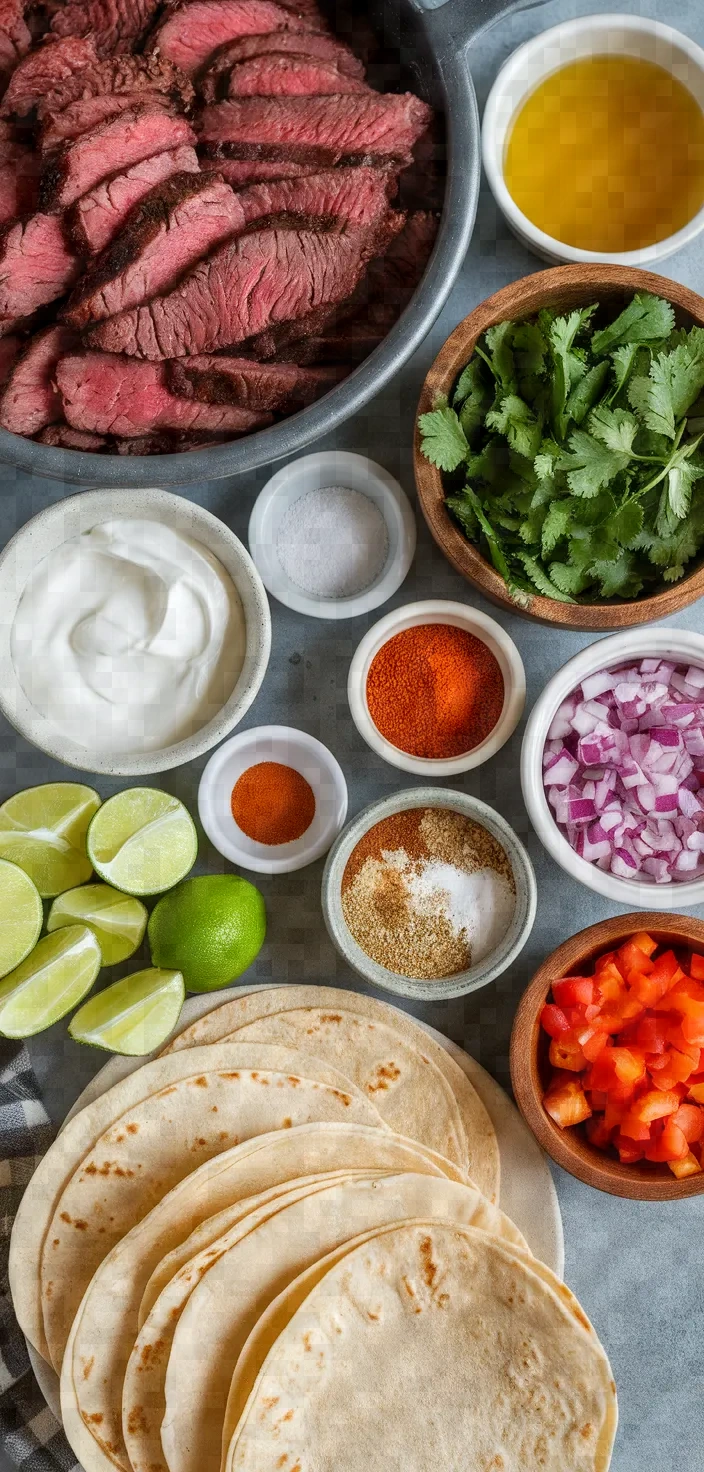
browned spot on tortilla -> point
(408, 1287)
(429, 1267)
(90, 1170)
(48, 1291)
(94, 1419)
(213, 1109)
(230, 1075)
(171, 1090)
(199, 1083)
(306, 1343)
(137, 1421)
(269, 1402)
(55, 1242)
(294, 1080)
(87, 1367)
(66, 1218)
(585, 1430)
(223, 1135)
(150, 1352)
(80, 1226)
(133, 1129)
(286, 1125)
(288, 1416)
(373, 1317)
(344, 1098)
(282, 1460)
(386, 1074)
(331, 1017)
(119, 1139)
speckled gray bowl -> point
(462, 981)
(65, 519)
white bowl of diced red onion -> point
(612, 768)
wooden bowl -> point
(530, 1068)
(564, 288)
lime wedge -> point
(21, 916)
(142, 841)
(134, 1015)
(118, 921)
(43, 829)
(53, 979)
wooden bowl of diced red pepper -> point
(607, 1056)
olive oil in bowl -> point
(607, 155)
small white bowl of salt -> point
(332, 535)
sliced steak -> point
(348, 341)
(281, 387)
(95, 219)
(119, 143)
(394, 277)
(89, 113)
(312, 45)
(123, 74)
(36, 265)
(116, 25)
(45, 68)
(19, 183)
(9, 348)
(336, 198)
(252, 171)
(177, 224)
(30, 400)
(167, 443)
(189, 33)
(15, 36)
(63, 437)
(268, 277)
(372, 126)
(106, 394)
(289, 76)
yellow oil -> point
(607, 154)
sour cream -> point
(128, 637)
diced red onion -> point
(624, 770)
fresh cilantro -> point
(574, 454)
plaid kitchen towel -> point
(30, 1435)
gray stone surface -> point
(636, 1267)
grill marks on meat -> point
(373, 126)
(354, 198)
(119, 143)
(248, 284)
(190, 33)
(30, 400)
(90, 112)
(317, 46)
(280, 387)
(52, 64)
(96, 218)
(177, 224)
(15, 37)
(120, 74)
(105, 394)
(289, 76)
(116, 25)
(36, 266)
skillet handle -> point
(454, 23)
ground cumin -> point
(272, 803)
(435, 691)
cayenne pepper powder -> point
(272, 803)
(435, 691)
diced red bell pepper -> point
(692, 1029)
(682, 1168)
(649, 1034)
(598, 1132)
(567, 1103)
(634, 1128)
(676, 1069)
(687, 998)
(615, 1111)
(610, 983)
(644, 942)
(656, 1104)
(574, 991)
(598, 1099)
(696, 1092)
(628, 1065)
(664, 974)
(669, 1145)
(594, 1045)
(696, 967)
(629, 1151)
(565, 1052)
(677, 1038)
(690, 1119)
(632, 959)
(553, 1020)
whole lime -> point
(209, 928)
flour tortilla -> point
(151, 1148)
(408, 1089)
(432, 1344)
(483, 1157)
(228, 1183)
(55, 1169)
(233, 1292)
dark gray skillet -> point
(432, 44)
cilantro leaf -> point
(555, 526)
(539, 577)
(499, 356)
(443, 440)
(591, 464)
(585, 393)
(569, 579)
(624, 360)
(645, 319)
(618, 578)
(616, 428)
(569, 363)
(674, 383)
(471, 397)
(530, 348)
(463, 511)
(626, 522)
(517, 421)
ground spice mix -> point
(272, 803)
(435, 691)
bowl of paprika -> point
(436, 688)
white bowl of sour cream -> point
(134, 631)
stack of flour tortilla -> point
(278, 1248)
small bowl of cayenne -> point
(667, 1078)
(436, 688)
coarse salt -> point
(333, 542)
(479, 905)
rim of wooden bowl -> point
(570, 1148)
(569, 287)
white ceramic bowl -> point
(461, 982)
(635, 644)
(293, 749)
(530, 64)
(68, 518)
(313, 473)
(460, 616)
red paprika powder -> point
(435, 691)
(272, 803)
